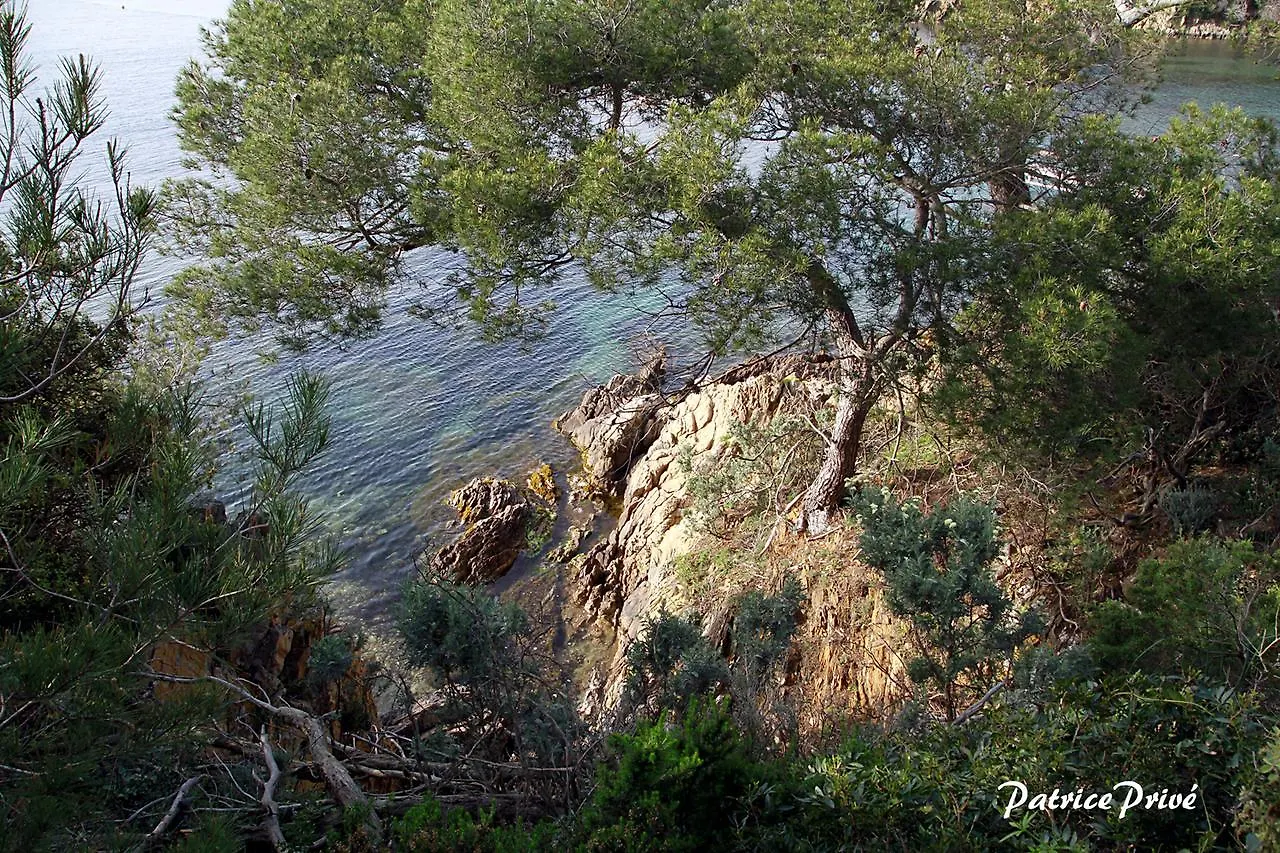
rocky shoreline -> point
(1227, 19)
(631, 448)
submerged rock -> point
(568, 549)
(495, 513)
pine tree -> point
(937, 572)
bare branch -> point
(174, 807)
(271, 823)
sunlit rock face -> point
(628, 576)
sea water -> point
(419, 409)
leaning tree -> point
(776, 166)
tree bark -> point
(1009, 189)
(840, 462)
(858, 387)
(615, 113)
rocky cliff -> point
(637, 443)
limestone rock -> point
(495, 513)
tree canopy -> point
(772, 167)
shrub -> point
(671, 663)
(672, 785)
(1191, 510)
(937, 571)
(461, 633)
(430, 828)
(1206, 605)
(330, 658)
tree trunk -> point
(857, 396)
(858, 387)
(619, 100)
(1009, 189)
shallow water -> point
(418, 409)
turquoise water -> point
(418, 409)
(1209, 72)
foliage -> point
(63, 249)
(937, 570)
(690, 783)
(760, 466)
(430, 828)
(331, 657)
(1205, 605)
(1259, 818)
(762, 631)
(1131, 311)
(137, 569)
(1191, 510)
(669, 785)
(497, 674)
(770, 169)
(112, 556)
(672, 663)
(461, 633)
(938, 790)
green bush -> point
(1259, 820)
(1206, 605)
(671, 786)
(938, 788)
(1191, 510)
(462, 634)
(330, 658)
(431, 828)
(937, 571)
(672, 663)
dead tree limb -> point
(174, 808)
(271, 822)
(341, 786)
(977, 706)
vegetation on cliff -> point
(1043, 432)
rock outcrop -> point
(846, 653)
(614, 425)
(276, 656)
(541, 483)
(627, 575)
(494, 513)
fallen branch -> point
(271, 823)
(341, 786)
(174, 808)
(977, 706)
